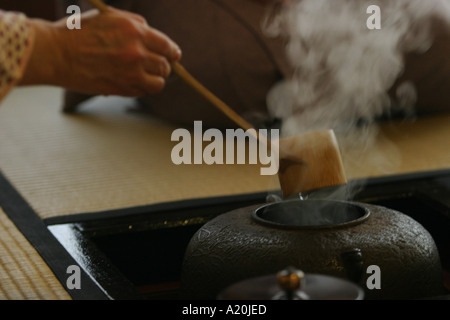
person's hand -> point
(114, 53)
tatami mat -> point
(23, 273)
(398, 147)
(107, 158)
(103, 158)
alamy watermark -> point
(74, 20)
(73, 281)
(374, 280)
(374, 21)
(227, 148)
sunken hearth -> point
(139, 252)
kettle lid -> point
(293, 284)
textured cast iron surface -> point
(233, 247)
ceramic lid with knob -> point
(293, 284)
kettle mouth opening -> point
(311, 214)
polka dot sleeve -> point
(16, 39)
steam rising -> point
(342, 70)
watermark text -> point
(214, 147)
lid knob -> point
(290, 281)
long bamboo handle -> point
(99, 4)
(208, 95)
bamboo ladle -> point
(306, 162)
